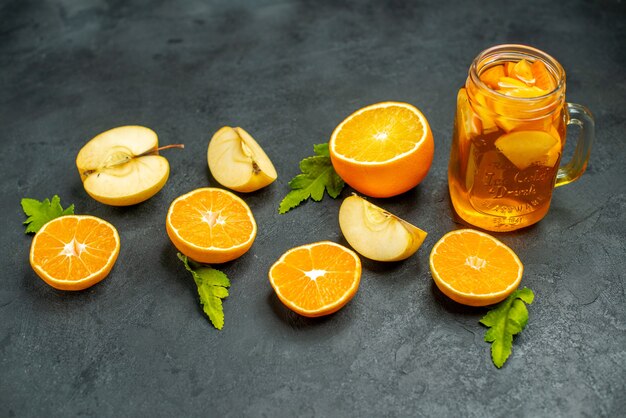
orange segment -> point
(543, 78)
(509, 67)
(524, 72)
(316, 279)
(468, 121)
(74, 252)
(520, 79)
(383, 150)
(474, 268)
(211, 225)
(492, 76)
(533, 91)
(485, 113)
(511, 83)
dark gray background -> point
(289, 72)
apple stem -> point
(181, 146)
(156, 151)
(130, 157)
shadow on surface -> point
(293, 319)
(382, 267)
(373, 265)
(453, 307)
(181, 277)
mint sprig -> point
(212, 288)
(41, 212)
(507, 319)
(318, 175)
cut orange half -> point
(211, 225)
(383, 150)
(474, 268)
(74, 252)
(316, 279)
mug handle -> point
(581, 116)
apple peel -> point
(526, 148)
(238, 162)
(377, 234)
(122, 166)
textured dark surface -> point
(289, 72)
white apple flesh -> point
(238, 162)
(119, 167)
(377, 234)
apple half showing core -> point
(238, 162)
(121, 166)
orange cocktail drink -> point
(509, 134)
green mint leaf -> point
(501, 349)
(318, 175)
(491, 335)
(213, 277)
(334, 185)
(40, 213)
(526, 295)
(507, 319)
(321, 149)
(211, 305)
(513, 327)
(518, 313)
(212, 288)
(293, 199)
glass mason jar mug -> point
(509, 133)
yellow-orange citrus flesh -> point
(383, 149)
(519, 79)
(474, 268)
(74, 252)
(211, 225)
(316, 279)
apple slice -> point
(377, 234)
(121, 166)
(525, 148)
(238, 162)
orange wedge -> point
(485, 113)
(74, 252)
(511, 83)
(492, 76)
(524, 72)
(211, 225)
(509, 68)
(384, 149)
(533, 91)
(316, 279)
(474, 268)
(543, 79)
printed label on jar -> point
(503, 190)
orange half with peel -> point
(383, 149)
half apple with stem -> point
(377, 234)
(122, 166)
(238, 162)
